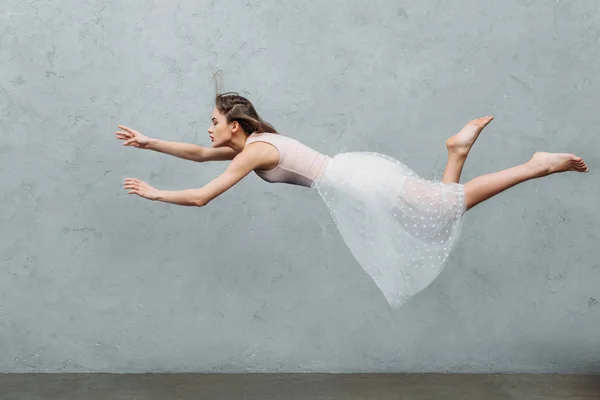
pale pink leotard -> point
(298, 163)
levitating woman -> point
(400, 227)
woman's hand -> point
(142, 189)
(132, 138)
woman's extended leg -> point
(459, 146)
(541, 164)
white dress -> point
(401, 228)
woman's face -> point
(220, 131)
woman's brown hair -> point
(238, 108)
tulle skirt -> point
(400, 228)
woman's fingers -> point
(132, 144)
(124, 135)
(126, 128)
(132, 183)
(131, 137)
(135, 186)
(128, 138)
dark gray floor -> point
(298, 386)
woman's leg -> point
(541, 164)
(459, 146)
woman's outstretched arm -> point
(191, 152)
(187, 151)
(244, 163)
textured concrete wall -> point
(260, 280)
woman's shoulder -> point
(267, 136)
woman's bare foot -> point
(550, 163)
(461, 143)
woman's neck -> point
(238, 142)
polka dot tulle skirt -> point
(400, 228)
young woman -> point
(401, 228)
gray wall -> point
(260, 280)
